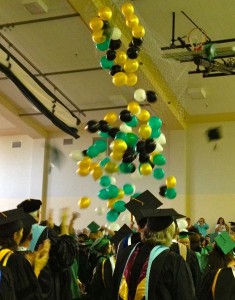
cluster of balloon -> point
(168, 190)
(122, 65)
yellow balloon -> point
(145, 131)
(171, 182)
(111, 202)
(131, 65)
(97, 172)
(119, 79)
(85, 162)
(105, 13)
(146, 169)
(131, 79)
(127, 9)
(138, 31)
(116, 155)
(118, 146)
(121, 57)
(144, 115)
(98, 36)
(83, 171)
(132, 21)
(134, 107)
(84, 202)
(111, 117)
(121, 194)
(96, 23)
(93, 165)
(111, 167)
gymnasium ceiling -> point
(57, 47)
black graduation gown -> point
(24, 279)
(7, 290)
(55, 278)
(224, 289)
(174, 281)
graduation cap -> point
(11, 221)
(232, 223)
(184, 233)
(100, 243)
(30, 205)
(146, 199)
(160, 219)
(214, 134)
(94, 227)
(224, 242)
(28, 222)
(120, 234)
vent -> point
(68, 142)
(16, 145)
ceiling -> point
(57, 47)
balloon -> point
(158, 173)
(155, 122)
(144, 116)
(150, 145)
(125, 128)
(131, 139)
(161, 139)
(103, 46)
(104, 134)
(125, 116)
(121, 57)
(140, 146)
(100, 210)
(85, 162)
(113, 131)
(83, 171)
(170, 182)
(118, 145)
(111, 117)
(133, 52)
(98, 36)
(170, 193)
(110, 54)
(113, 180)
(145, 131)
(92, 126)
(97, 173)
(115, 155)
(103, 194)
(101, 145)
(119, 79)
(105, 181)
(144, 157)
(131, 65)
(127, 168)
(138, 31)
(151, 96)
(158, 148)
(129, 156)
(112, 191)
(134, 107)
(128, 189)
(104, 126)
(92, 151)
(162, 190)
(159, 160)
(137, 41)
(115, 44)
(115, 69)
(155, 133)
(105, 13)
(111, 167)
(127, 9)
(112, 215)
(133, 122)
(132, 21)
(182, 223)
(111, 202)
(119, 206)
(131, 79)
(121, 194)
(76, 155)
(93, 166)
(96, 23)
(104, 161)
(116, 34)
(114, 227)
(84, 202)
(146, 169)
(140, 95)
(121, 136)
(105, 63)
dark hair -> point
(220, 219)
(217, 259)
(8, 243)
(195, 242)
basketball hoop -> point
(197, 38)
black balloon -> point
(151, 96)
(132, 52)
(115, 69)
(115, 44)
(143, 157)
(150, 145)
(106, 25)
(162, 190)
(92, 126)
(113, 131)
(84, 152)
(111, 54)
(129, 157)
(125, 115)
(140, 146)
(137, 41)
(104, 126)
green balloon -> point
(105, 181)
(121, 136)
(125, 167)
(128, 189)
(103, 46)
(133, 123)
(103, 134)
(92, 151)
(104, 161)
(159, 160)
(103, 194)
(105, 63)
(101, 145)
(170, 193)
(155, 133)
(135, 195)
(112, 215)
(119, 206)
(112, 191)
(155, 122)
(158, 173)
(131, 139)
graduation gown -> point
(7, 290)
(174, 282)
(224, 287)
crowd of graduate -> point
(152, 259)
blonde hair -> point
(163, 237)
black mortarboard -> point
(28, 222)
(120, 234)
(30, 205)
(224, 242)
(232, 223)
(160, 219)
(146, 199)
(11, 221)
(94, 227)
(214, 134)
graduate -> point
(149, 270)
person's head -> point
(28, 222)
(201, 221)
(217, 259)
(183, 237)
(185, 241)
(32, 207)
(102, 245)
(220, 221)
(195, 242)
(188, 220)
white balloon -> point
(114, 227)
(161, 139)
(76, 155)
(116, 34)
(158, 148)
(113, 180)
(125, 128)
(182, 223)
(140, 95)
(100, 210)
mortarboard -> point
(224, 242)
(11, 221)
(160, 219)
(214, 134)
(30, 205)
(100, 243)
(28, 222)
(120, 234)
(184, 233)
(146, 199)
(94, 227)
(232, 223)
